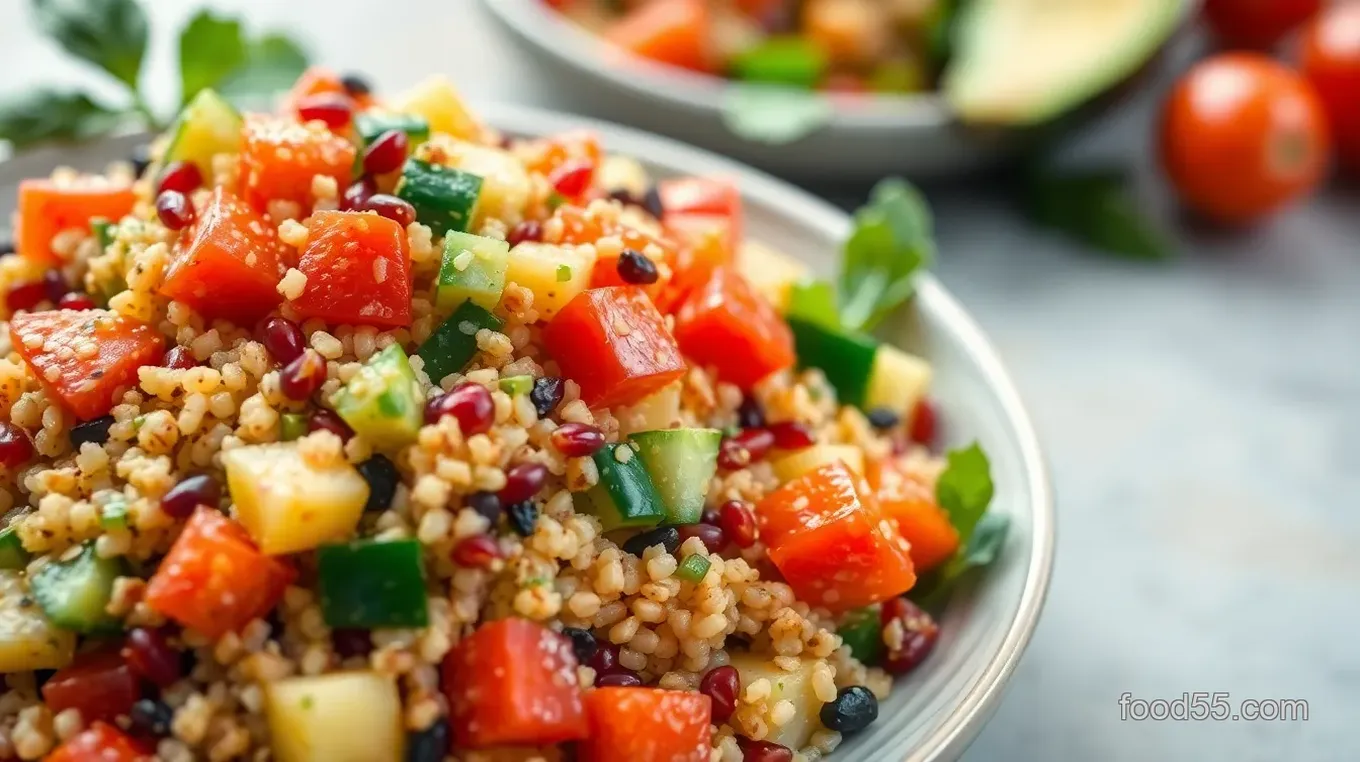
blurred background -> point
(1194, 373)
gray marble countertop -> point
(1197, 416)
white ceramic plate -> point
(937, 711)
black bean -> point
(853, 710)
(634, 267)
(666, 537)
(883, 418)
(486, 503)
(96, 431)
(523, 517)
(547, 392)
(651, 201)
(355, 85)
(152, 717)
(750, 415)
(140, 158)
(582, 643)
(431, 744)
(41, 676)
(382, 477)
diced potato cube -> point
(438, 101)
(770, 272)
(794, 687)
(556, 274)
(898, 380)
(27, 640)
(289, 505)
(658, 410)
(506, 187)
(799, 462)
(341, 717)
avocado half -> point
(1024, 62)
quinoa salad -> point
(361, 431)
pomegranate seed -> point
(76, 301)
(356, 196)
(55, 285)
(634, 267)
(738, 452)
(763, 751)
(710, 516)
(149, 653)
(738, 523)
(721, 685)
(618, 679)
(523, 482)
(386, 153)
(572, 179)
(792, 435)
(283, 339)
(350, 643)
(180, 176)
(332, 108)
(301, 378)
(476, 552)
(393, 208)
(577, 440)
(179, 358)
(469, 403)
(923, 423)
(606, 658)
(322, 419)
(174, 210)
(25, 296)
(712, 536)
(191, 492)
(15, 447)
(528, 230)
(919, 633)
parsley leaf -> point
(814, 301)
(272, 63)
(1096, 207)
(989, 536)
(111, 34)
(965, 489)
(210, 48)
(893, 237)
(774, 115)
(48, 115)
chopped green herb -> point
(964, 490)
(292, 426)
(563, 273)
(693, 568)
(516, 385)
(138, 422)
(113, 514)
(555, 200)
(892, 239)
(1096, 207)
(862, 631)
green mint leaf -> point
(988, 537)
(1096, 207)
(893, 237)
(814, 301)
(42, 116)
(111, 34)
(965, 489)
(210, 48)
(272, 64)
(774, 115)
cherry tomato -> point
(1331, 61)
(1242, 136)
(1257, 23)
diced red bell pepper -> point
(358, 269)
(614, 344)
(513, 683)
(84, 358)
(829, 539)
(674, 32)
(318, 80)
(46, 209)
(279, 158)
(909, 497)
(704, 245)
(729, 326)
(214, 579)
(228, 263)
(648, 725)
(101, 742)
(98, 683)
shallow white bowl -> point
(936, 712)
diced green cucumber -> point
(862, 631)
(371, 125)
(451, 347)
(12, 553)
(681, 463)
(693, 568)
(206, 127)
(103, 230)
(74, 593)
(473, 270)
(369, 584)
(782, 60)
(846, 358)
(517, 385)
(113, 514)
(444, 198)
(625, 496)
(383, 402)
(292, 426)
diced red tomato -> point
(614, 344)
(729, 326)
(909, 497)
(358, 269)
(46, 209)
(84, 358)
(98, 683)
(670, 31)
(279, 158)
(715, 196)
(101, 742)
(705, 217)
(318, 80)
(228, 263)
(827, 535)
(648, 725)
(513, 683)
(214, 579)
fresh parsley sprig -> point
(112, 36)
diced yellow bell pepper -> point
(289, 505)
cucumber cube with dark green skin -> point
(862, 631)
(206, 127)
(113, 514)
(371, 126)
(444, 198)
(383, 401)
(681, 463)
(368, 584)
(473, 270)
(12, 553)
(845, 357)
(451, 347)
(74, 593)
(625, 496)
